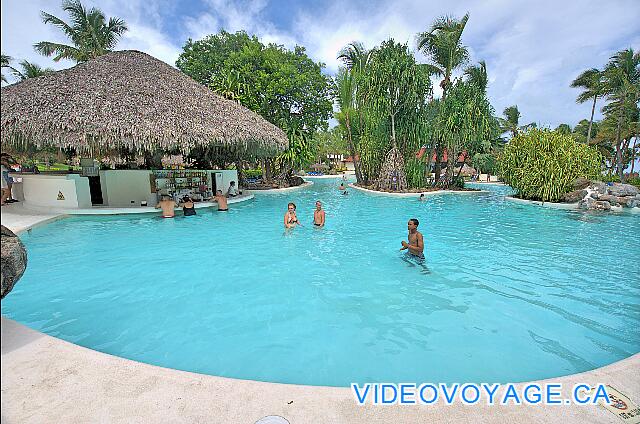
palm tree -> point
(477, 75)
(346, 97)
(622, 85)
(5, 60)
(357, 60)
(442, 44)
(355, 56)
(511, 121)
(591, 81)
(30, 70)
(90, 34)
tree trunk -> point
(438, 167)
(633, 154)
(352, 150)
(242, 181)
(618, 147)
(393, 131)
(593, 109)
(266, 171)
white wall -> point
(228, 175)
(42, 190)
(121, 186)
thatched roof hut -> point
(130, 99)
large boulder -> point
(574, 196)
(14, 260)
(601, 205)
(619, 190)
(581, 183)
(613, 200)
(600, 187)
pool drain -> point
(272, 419)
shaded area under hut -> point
(128, 101)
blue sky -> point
(533, 50)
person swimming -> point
(318, 215)
(422, 198)
(290, 218)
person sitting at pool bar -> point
(188, 207)
(233, 190)
(415, 245)
(290, 218)
(167, 204)
(222, 201)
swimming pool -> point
(513, 293)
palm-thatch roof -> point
(130, 99)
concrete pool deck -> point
(45, 379)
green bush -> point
(541, 164)
(252, 173)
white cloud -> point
(533, 50)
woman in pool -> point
(290, 218)
(188, 207)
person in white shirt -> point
(233, 190)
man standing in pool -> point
(167, 204)
(416, 241)
(222, 201)
(318, 215)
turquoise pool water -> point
(514, 292)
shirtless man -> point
(222, 201)
(416, 241)
(290, 218)
(318, 215)
(167, 205)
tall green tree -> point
(622, 84)
(351, 97)
(89, 32)
(347, 116)
(583, 129)
(5, 61)
(511, 121)
(442, 44)
(477, 75)
(592, 83)
(466, 123)
(284, 86)
(564, 129)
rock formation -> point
(392, 176)
(14, 260)
(603, 196)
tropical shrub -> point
(252, 173)
(543, 164)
